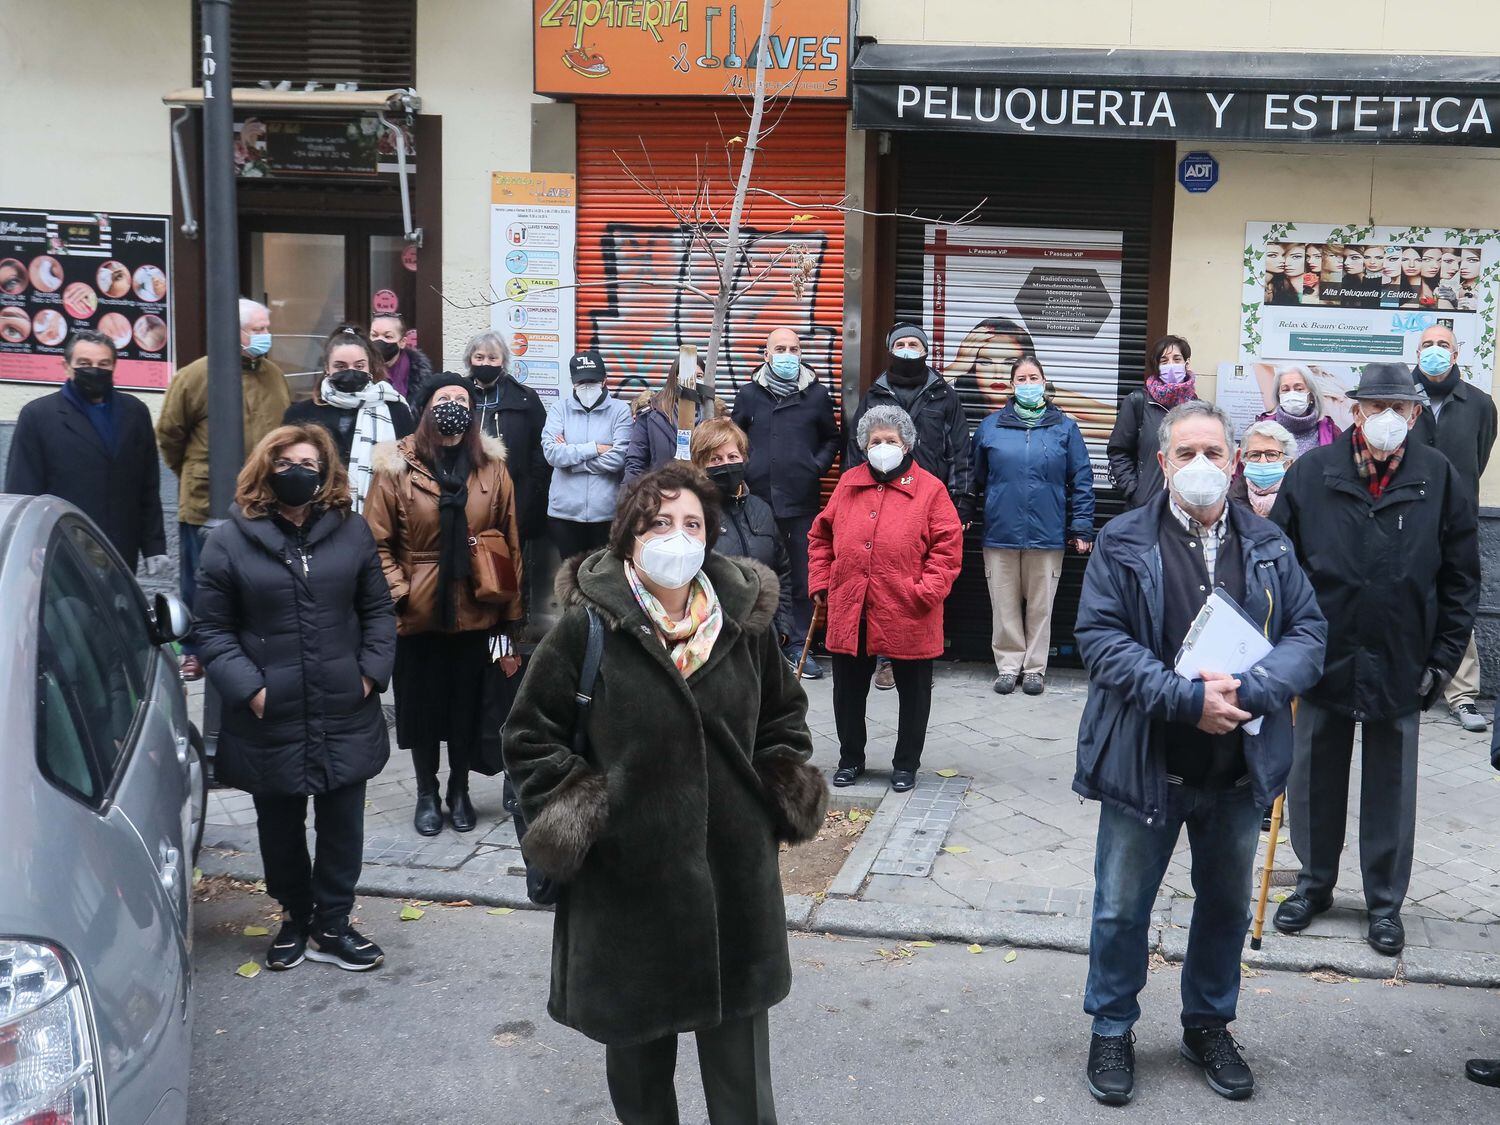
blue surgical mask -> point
(1265, 474)
(1030, 394)
(908, 352)
(259, 345)
(1434, 361)
(785, 365)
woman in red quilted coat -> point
(882, 557)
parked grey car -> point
(101, 811)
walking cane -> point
(1265, 873)
(1277, 808)
(807, 644)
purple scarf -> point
(398, 371)
(1171, 394)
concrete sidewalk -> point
(1000, 851)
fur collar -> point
(400, 456)
(748, 591)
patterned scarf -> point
(691, 640)
(1171, 394)
(1029, 415)
(1376, 478)
(1262, 500)
(372, 426)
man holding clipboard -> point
(1161, 751)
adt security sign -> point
(1198, 172)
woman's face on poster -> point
(1432, 262)
(992, 367)
(1374, 260)
(1296, 260)
(1468, 265)
(1354, 263)
(1275, 259)
(1314, 258)
(1449, 266)
(1392, 267)
(1411, 263)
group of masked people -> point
(349, 565)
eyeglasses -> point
(1264, 456)
(282, 464)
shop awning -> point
(1180, 95)
(317, 101)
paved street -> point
(1019, 842)
(454, 1028)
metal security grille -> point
(1031, 182)
(369, 43)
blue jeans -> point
(189, 550)
(1129, 862)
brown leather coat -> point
(402, 511)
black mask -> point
(296, 486)
(729, 477)
(451, 418)
(485, 374)
(350, 381)
(387, 349)
(908, 372)
(93, 382)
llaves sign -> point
(1101, 111)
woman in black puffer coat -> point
(747, 528)
(298, 634)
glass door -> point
(302, 277)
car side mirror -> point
(170, 619)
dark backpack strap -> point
(588, 679)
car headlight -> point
(47, 1069)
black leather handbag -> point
(541, 889)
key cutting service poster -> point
(65, 270)
(533, 228)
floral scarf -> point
(1171, 394)
(691, 640)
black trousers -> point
(571, 537)
(851, 691)
(734, 1059)
(794, 531)
(321, 889)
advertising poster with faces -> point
(533, 229)
(61, 271)
(992, 294)
(1337, 297)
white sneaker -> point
(1469, 718)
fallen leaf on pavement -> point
(255, 931)
(248, 970)
(854, 815)
(460, 902)
(1011, 956)
(923, 944)
(955, 849)
(411, 913)
(947, 773)
(976, 948)
(500, 911)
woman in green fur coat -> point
(666, 836)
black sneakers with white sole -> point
(344, 946)
(289, 948)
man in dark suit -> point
(95, 448)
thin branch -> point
(968, 218)
(497, 299)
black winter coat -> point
(749, 531)
(56, 450)
(418, 375)
(793, 441)
(1464, 431)
(666, 835)
(339, 421)
(1397, 578)
(1132, 448)
(305, 625)
(943, 443)
(514, 413)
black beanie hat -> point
(437, 382)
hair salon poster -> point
(992, 294)
(65, 270)
(1343, 296)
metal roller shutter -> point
(1031, 182)
(633, 253)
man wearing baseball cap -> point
(584, 440)
(1387, 531)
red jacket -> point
(886, 554)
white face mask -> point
(885, 457)
(1200, 483)
(671, 560)
(589, 393)
(1295, 403)
(1386, 431)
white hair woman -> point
(1301, 410)
(1267, 451)
(882, 557)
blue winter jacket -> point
(585, 481)
(1131, 681)
(1034, 483)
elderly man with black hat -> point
(943, 442)
(584, 440)
(1386, 529)
(1459, 420)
